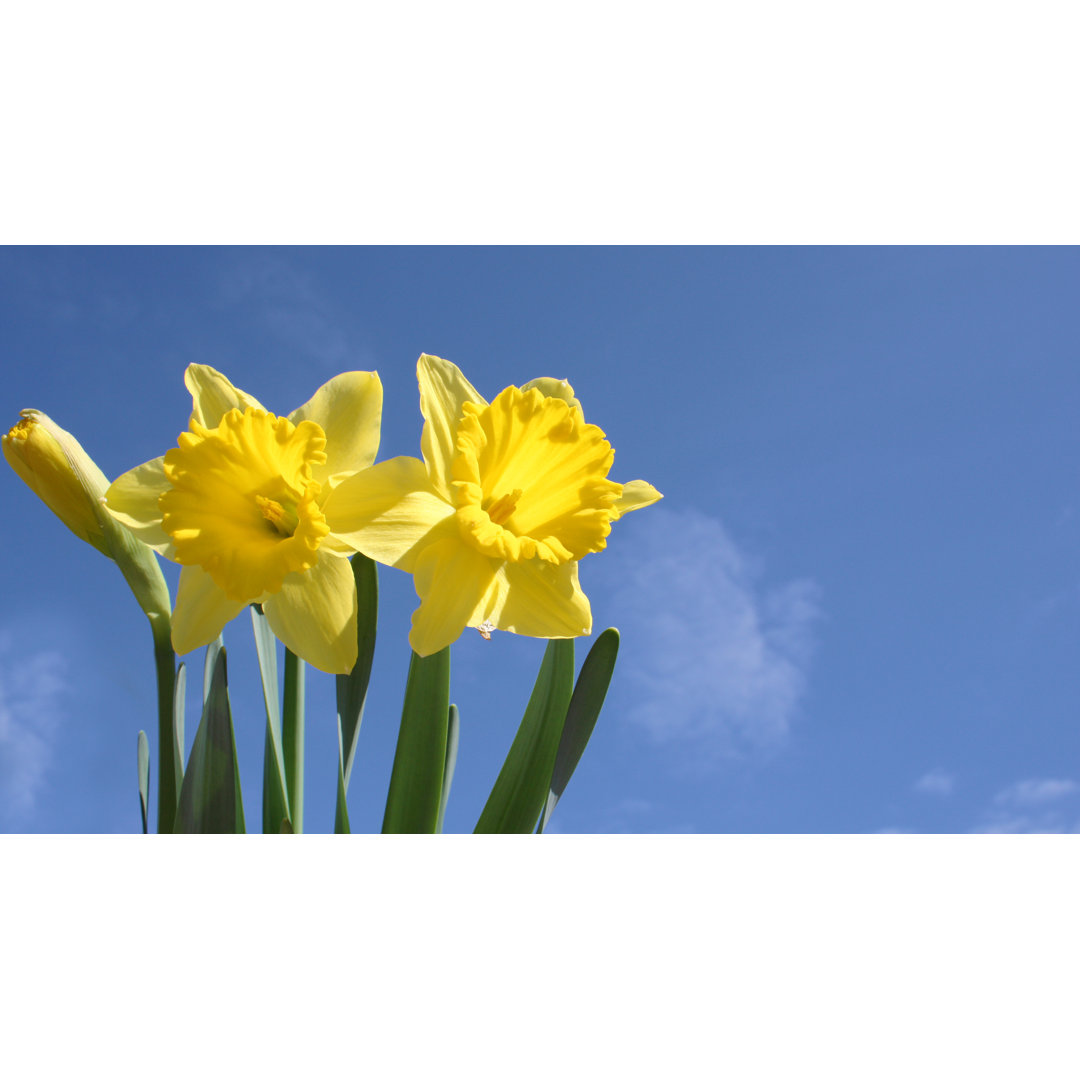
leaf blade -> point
(517, 797)
(351, 689)
(142, 762)
(210, 799)
(412, 803)
(453, 727)
(581, 715)
(275, 802)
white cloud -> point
(936, 782)
(1031, 806)
(707, 654)
(291, 307)
(31, 691)
(1035, 792)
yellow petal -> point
(451, 579)
(390, 512)
(536, 599)
(634, 496)
(133, 500)
(443, 392)
(212, 395)
(349, 410)
(314, 615)
(202, 610)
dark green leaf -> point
(412, 804)
(589, 693)
(143, 763)
(452, 729)
(210, 799)
(352, 688)
(518, 796)
(275, 805)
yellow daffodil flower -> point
(62, 474)
(492, 523)
(240, 504)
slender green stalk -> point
(292, 737)
(170, 771)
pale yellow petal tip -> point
(635, 495)
(556, 388)
(331, 659)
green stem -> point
(292, 737)
(170, 773)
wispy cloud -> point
(31, 693)
(708, 654)
(1034, 805)
(292, 308)
(936, 782)
(1035, 792)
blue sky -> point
(857, 608)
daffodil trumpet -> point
(240, 504)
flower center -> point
(242, 502)
(530, 479)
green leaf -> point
(581, 715)
(518, 796)
(275, 805)
(143, 763)
(341, 812)
(212, 650)
(210, 799)
(412, 804)
(179, 704)
(452, 728)
(352, 688)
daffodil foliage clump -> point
(288, 516)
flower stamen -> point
(503, 507)
(284, 521)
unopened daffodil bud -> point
(61, 473)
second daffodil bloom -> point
(492, 523)
(239, 503)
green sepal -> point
(210, 800)
(518, 796)
(581, 715)
(412, 803)
(143, 765)
(453, 726)
(275, 802)
(352, 688)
